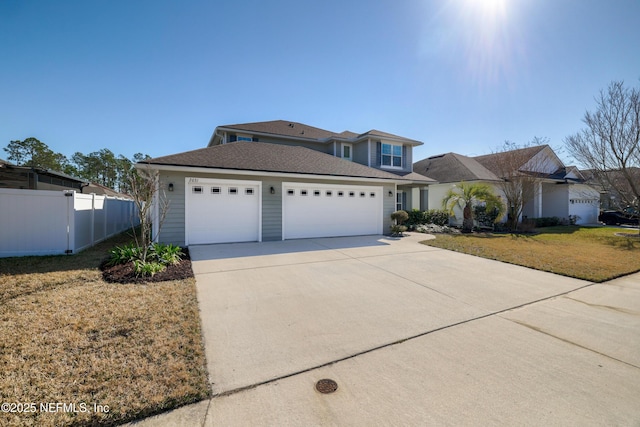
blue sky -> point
(158, 76)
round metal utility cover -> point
(326, 386)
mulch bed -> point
(124, 273)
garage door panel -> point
(331, 210)
(221, 211)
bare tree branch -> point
(609, 146)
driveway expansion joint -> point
(542, 331)
(403, 340)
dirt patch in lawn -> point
(124, 273)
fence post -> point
(93, 218)
(105, 203)
(71, 223)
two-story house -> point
(282, 180)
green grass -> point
(591, 253)
(69, 337)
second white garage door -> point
(324, 210)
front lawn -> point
(76, 350)
(590, 253)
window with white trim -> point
(391, 155)
(399, 198)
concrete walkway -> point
(412, 335)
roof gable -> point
(452, 167)
(539, 160)
(266, 157)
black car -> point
(618, 217)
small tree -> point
(144, 191)
(398, 218)
(610, 144)
(520, 172)
(466, 196)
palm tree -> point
(466, 196)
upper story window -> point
(391, 155)
(346, 151)
(235, 138)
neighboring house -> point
(560, 190)
(282, 180)
(615, 191)
(448, 170)
(101, 190)
(25, 177)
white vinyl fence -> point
(34, 222)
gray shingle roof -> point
(452, 167)
(524, 154)
(302, 131)
(266, 157)
(283, 128)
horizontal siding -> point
(173, 229)
(360, 153)
(272, 210)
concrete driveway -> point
(412, 335)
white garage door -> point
(222, 211)
(324, 210)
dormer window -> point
(346, 151)
(391, 155)
(235, 138)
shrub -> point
(527, 226)
(415, 217)
(397, 230)
(399, 217)
(148, 268)
(484, 217)
(124, 254)
(157, 258)
(547, 221)
(165, 254)
(437, 217)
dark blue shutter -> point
(378, 154)
(404, 157)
